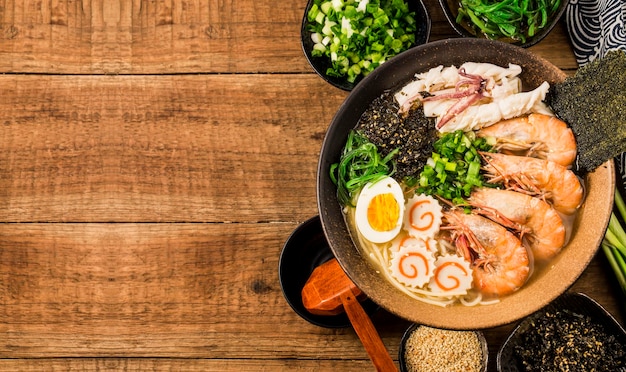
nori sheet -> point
(593, 103)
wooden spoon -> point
(329, 291)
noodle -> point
(469, 301)
(380, 255)
(421, 260)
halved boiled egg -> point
(379, 210)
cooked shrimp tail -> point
(542, 178)
(536, 135)
(540, 225)
(499, 260)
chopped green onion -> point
(363, 33)
(453, 170)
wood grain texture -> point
(154, 157)
(139, 37)
(188, 365)
(161, 290)
(165, 37)
(174, 290)
(161, 148)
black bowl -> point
(451, 10)
(543, 286)
(321, 64)
(305, 249)
(573, 303)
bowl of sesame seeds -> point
(425, 348)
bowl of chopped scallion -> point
(520, 22)
(345, 40)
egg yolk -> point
(383, 212)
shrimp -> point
(549, 180)
(535, 135)
(541, 226)
(499, 259)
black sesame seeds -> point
(566, 341)
(413, 134)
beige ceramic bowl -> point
(542, 287)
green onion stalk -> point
(614, 242)
(360, 163)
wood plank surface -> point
(174, 290)
(188, 365)
(161, 148)
(154, 157)
(165, 37)
(139, 37)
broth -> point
(381, 123)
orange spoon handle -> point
(368, 335)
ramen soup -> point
(459, 186)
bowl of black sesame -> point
(572, 333)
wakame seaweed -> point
(593, 103)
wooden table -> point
(154, 157)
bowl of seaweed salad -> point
(522, 23)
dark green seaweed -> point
(593, 103)
(567, 341)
